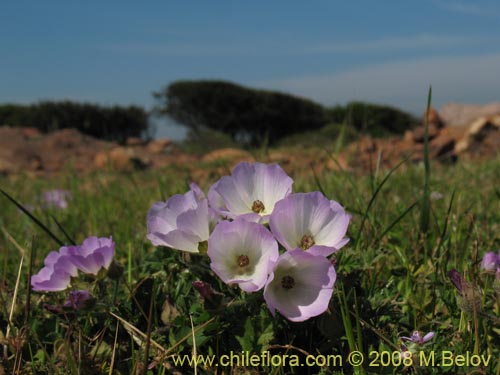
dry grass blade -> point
(14, 298)
(140, 337)
(13, 241)
(112, 364)
(194, 344)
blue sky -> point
(119, 52)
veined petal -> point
(195, 221)
(242, 252)
(50, 280)
(300, 285)
(180, 240)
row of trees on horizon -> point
(250, 117)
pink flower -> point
(243, 253)
(300, 286)
(93, 254)
(311, 222)
(250, 192)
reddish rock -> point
(232, 155)
(6, 167)
(134, 141)
(31, 133)
(481, 138)
(455, 114)
(433, 118)
(159, 146)
(418, 134)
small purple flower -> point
(79, 299)
(56, 198)
(491, 261)
(300, 286)
(417, 338)
(251, 191)
(57, 273)
(309, 221)
(93, 254)
(243, 253)
(182, 222)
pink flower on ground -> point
(250, 192)
(311, 222)
(93, 254)
(300, 286)
(57, 272)
(243, 253)
(182, 222)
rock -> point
(134, 141)
(454, 114)
(433, 118)
(6, 167)
(443, 148)
(122, 159)
(481, 133)
(232, 155)
(418, 134)
(30, 132)
(159, 146)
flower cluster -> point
(59, 266)
(259, 235)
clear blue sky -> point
(119, 52)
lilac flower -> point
(79, 299)
(417, 338)
(243, 253)
(251, 191)
(93, 254)
(309, 221)
(300, 286)
(56, 198)
(491, 261)
(57, 273)
(182, 222)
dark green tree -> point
(112, 123)
(248, 115)
(374, 119)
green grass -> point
(391, 279)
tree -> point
(249, 116)
(374, 119)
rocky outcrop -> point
(454, 114)
(482, 138)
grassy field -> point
(407, 232)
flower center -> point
(258, 206)
(287, 282)
(306, 242)
(243, 261)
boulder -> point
(232, 155)
(454, 114)
(6, 167)
(433, 118)
(122, 159)
(481, 137)
(134, 141)
(159, 146)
